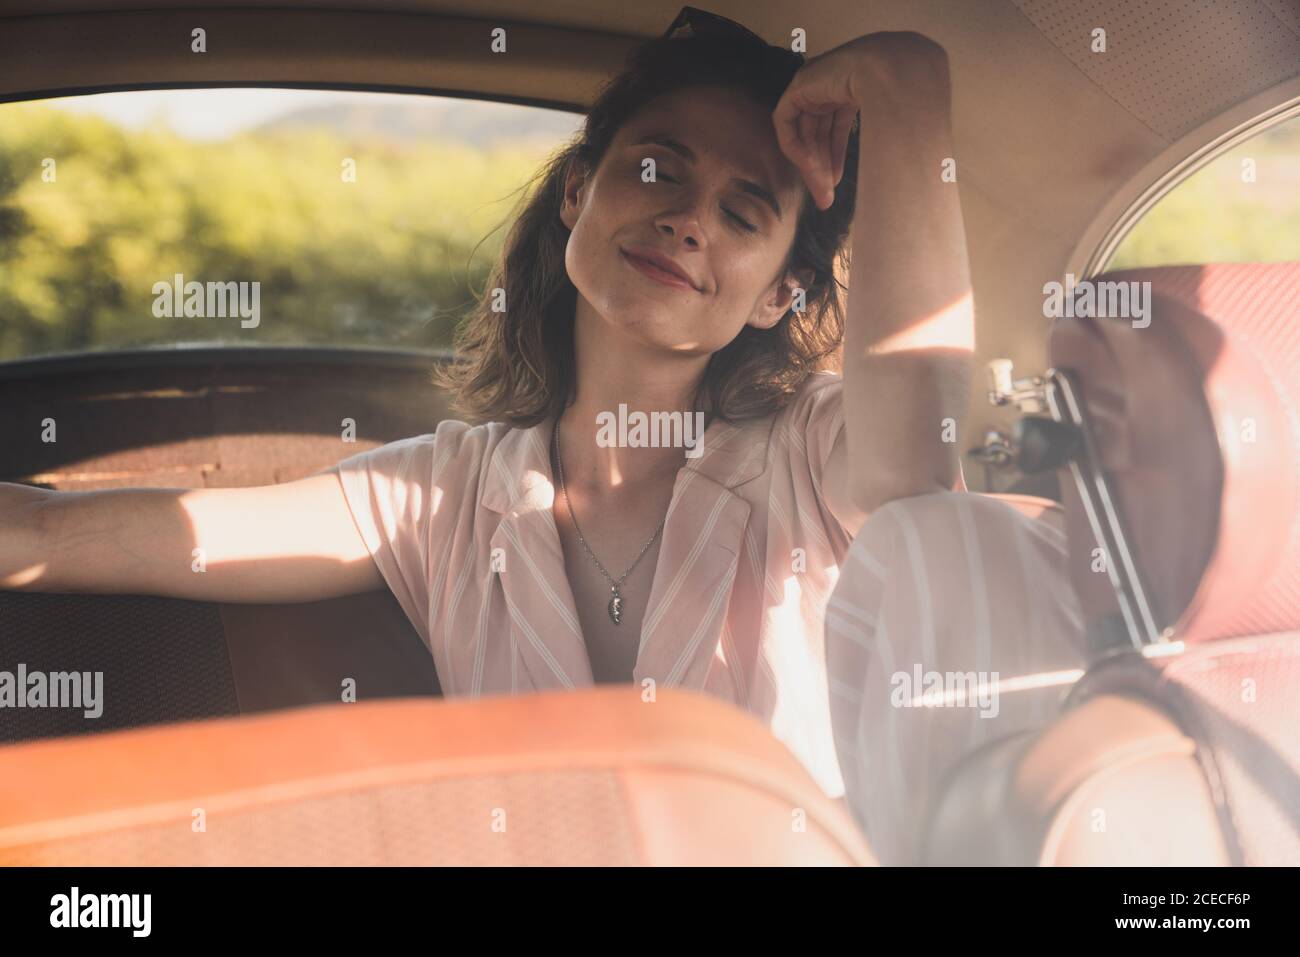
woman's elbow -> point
(871, 494)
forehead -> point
(720, 126)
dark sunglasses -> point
(692, 21)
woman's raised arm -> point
(910, 327)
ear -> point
(780, 297)
(575, 182)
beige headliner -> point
(1054, 142)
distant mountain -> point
(472, 122)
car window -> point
(1243, 206)
(307, 217)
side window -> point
(1243, 206)
(255, 217)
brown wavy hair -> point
(518, 365)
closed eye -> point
(741, 221)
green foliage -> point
(1215, 215)
(395, 258)
(388, 260)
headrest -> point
(1196, 420)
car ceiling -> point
(1052, 140)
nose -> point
(683, 224)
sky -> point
(219, 113)
(197, 114)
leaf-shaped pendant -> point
(616, 607)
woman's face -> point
(722, 206)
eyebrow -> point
(756, 190)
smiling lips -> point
(659, 268)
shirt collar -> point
(519, 473)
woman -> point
(677, 258)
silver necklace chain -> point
(615, 607)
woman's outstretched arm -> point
(910, 330)
(275, 543)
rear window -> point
(1243, 206)
(251, 217)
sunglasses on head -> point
(692, 21)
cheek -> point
(573, 258)
(591, 254)
(581, 253)
(745, 272)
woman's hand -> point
(899, 76)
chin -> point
(650, 327)
(630, 310)
(652, 319)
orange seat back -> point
(594, 777)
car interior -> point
(1186, 724)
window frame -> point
(1103, 250)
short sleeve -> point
(391, 493)
(816, 420)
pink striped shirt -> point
(460, 525)
(959, 591)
